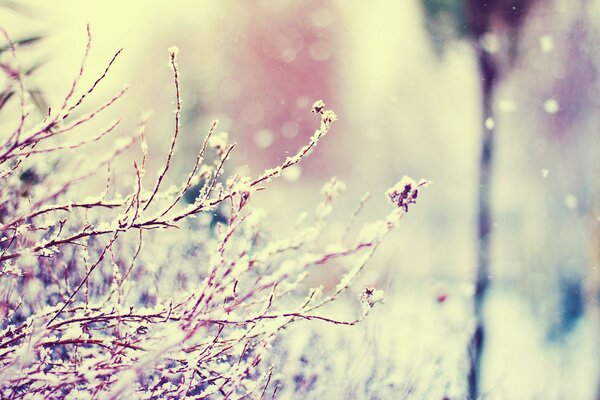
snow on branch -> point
(131, 292)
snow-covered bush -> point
(132, 293)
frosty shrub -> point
(132, 293)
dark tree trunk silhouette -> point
(498, 20)
(488, 73)
(503, 18)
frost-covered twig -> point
(100, 302)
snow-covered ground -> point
(415, 347)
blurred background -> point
(436, 89)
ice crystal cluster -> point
(141, 291)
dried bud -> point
(244, 196)
(318, 107)
(328, 116)
(405, 192)
(369, 297)
(173, 51)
